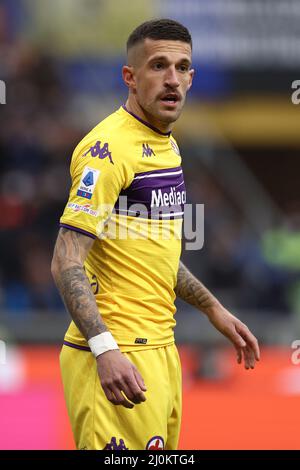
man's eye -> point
(158, 66)
(183, 68)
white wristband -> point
(101, 343)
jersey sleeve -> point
(99, 172)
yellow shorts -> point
(98, 424)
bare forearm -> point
(79, 300)
(74, 286)
(192, 291)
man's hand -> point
(238, 333)
(120, 379)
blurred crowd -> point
(36, 142)
(247, 271)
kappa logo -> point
(156, 443)
(98, 151)
(94, 284)
(112, 445)
(147, 151)
(93, 281)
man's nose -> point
(171, 78)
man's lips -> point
(170, 99)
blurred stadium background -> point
(240, 138)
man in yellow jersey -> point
(117, 259)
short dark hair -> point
(159, 29)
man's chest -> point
(157, 189)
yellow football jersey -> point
(128, 194)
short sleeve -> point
(98, 173)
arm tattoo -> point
(65, 250)
(190, 289)
(74, 285)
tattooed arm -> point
(70, 252)
(190, 289)
(115, 371)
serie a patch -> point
(88, 182)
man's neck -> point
(133, 107)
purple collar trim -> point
(146, 123)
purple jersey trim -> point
(79, 230)
(76, 346)
(162, 192)
(167, 134)
(153, 215)
(158, 172)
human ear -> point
(128, 76)
(191, 76)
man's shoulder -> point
(109, 128)
(110, 139)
